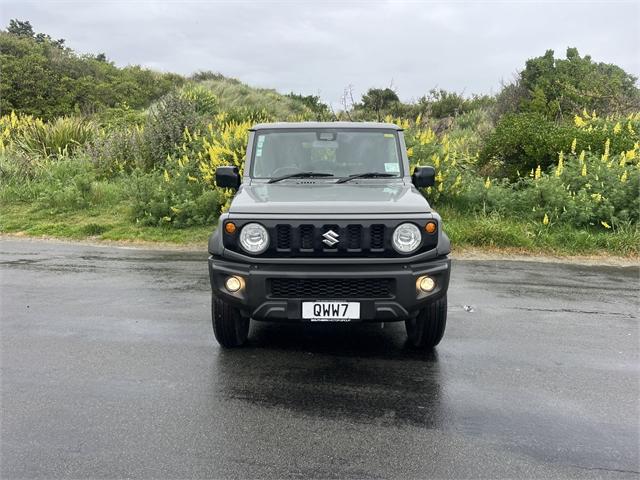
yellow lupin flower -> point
(487, 183)
(605, 155)
(581, 157)
(605, 224)
(545, 220)
(166, 176)
(623, 159)
(560, 166)
(624, 176)
(573, 145)
(410, 152)
(538, 173)
(617, 128)
(631, 154)
(584, 170)
(579, 121)
(192, 179)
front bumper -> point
(257, 301)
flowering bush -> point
(588, 184)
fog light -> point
(233, 284)
(230, 227)
(426, 284)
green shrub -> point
(165, 126)
(521, 142)
(582, 191)
(120, 150)
(159, 199)
(202, 99)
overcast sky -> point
(320, 47)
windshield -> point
(340, 153)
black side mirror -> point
(424, 177)
(228, 177)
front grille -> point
(331, 288)
(352, 238)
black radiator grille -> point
(351, 238)
(331, 288)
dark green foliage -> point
(521, 142)
(20, 29)
(179, 203)
(312, 102)
(40, 77)
(557, 88)
(379, 101)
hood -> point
(305, 198)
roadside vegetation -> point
(548, 165)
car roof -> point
(315, 125)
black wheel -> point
(229, 326)
(426, 330)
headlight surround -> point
(406, 238)
(254, 238)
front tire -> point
(230, 328)
(426, 330)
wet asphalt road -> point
(109, 369)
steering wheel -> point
(286, 170)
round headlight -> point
(254, 238)
(406, 238)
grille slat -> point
(331, 288)
(354, 237)
(306, 237)
(377, 236)
(283, 237)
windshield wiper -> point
(366, 175)
(300, 175)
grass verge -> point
(491, 233)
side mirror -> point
(424, 177)
(228, 177)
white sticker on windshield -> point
(260, 140)
(259, 152)
(391, 168)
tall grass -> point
(62, 136)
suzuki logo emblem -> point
(330, 238)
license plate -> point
(330, 311)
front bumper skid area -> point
(255, 299)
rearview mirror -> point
(424, 177)
(228, 177)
